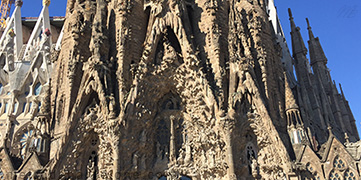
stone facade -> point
(171, 89)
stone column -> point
(172, 148)
(231, 174)
(116, 160)
(227, 126)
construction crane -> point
(5, 12)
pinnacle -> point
(310, 33)
(308, 24)
(290, 13)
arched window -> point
(335, 175)
(37, 89)
(349, 175)
(338, 163)
(163, 136)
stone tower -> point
(170, 89)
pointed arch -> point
(84, 113)
(170, 126)
(90, 158)
(167, 47)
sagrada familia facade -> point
(169, 89)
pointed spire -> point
(291, 107)
(298, 46)
(293, 25)
(342, 94)
(310, 33)
(316, 51)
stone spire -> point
(303, 71)
(347, 113)
(292, 109)
(295, 127)
(298, 46)
(310, 33)
(316, 51)
(342, 94)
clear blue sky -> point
(32, 8)
(337, 24)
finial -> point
(310, 33)
(290, 13)
(329, 128)
(308, 24)
(342, 94)
(347, 138)
(46, 2)
(19, 3)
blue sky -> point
(337, 24)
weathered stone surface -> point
(170, 89)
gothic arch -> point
(243, 139)
(85, 114)
(167, 46)
(170, 101)
(169, 131)
(341, 170)
(90, 158)
(159, 24)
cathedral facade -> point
(169, 89)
